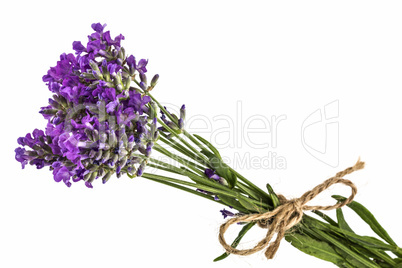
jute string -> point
(287, 215)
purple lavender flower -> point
(21, 156)
(140, 67)
(110, 41)
(211, 174)
(98, 27)
(226, 213)
(94, 119)
(78, 47)
(138, 102)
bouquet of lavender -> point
(102, 120)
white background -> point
(278, 58)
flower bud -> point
(156, 135)
(97, 74)
(143, 78)
(123, 53)
(143, 86)
(123, 162)
(181, 123)
(60, 99)
(106, 177)
(112, 138)
(92, 154)
(154, 80)
(154, 110)
(87, 76)
(149, 149)
(131, 170)
(105, 156)
(127, 82)
(101, 172)
(153, 127)
(142, 149)
(87, 176)
(103, 137)
(183, 112)
(94, 65)
(55, 104)
(98, 155)
(48, 111)
(115, 158)
(88, 132)
(107, 84)
(140, 169)
(123, 152)
(105, 54)
(93, 176)
(130, 143)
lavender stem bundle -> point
(102, 120)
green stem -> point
(178, 147)
(147, 176)
(179, 159)
(182, 140)
(197, 186)
(252, 185)
(249, 183)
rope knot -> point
(287, 215)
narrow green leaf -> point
(369, 241)
(223, 170)
(250, 192)
(209, 145)
(340, 247)
(237, 240)
(386, 265)
(378, 255)
(230, 201)
(249, 205)
(207, 153)
(367, 245)
(366, 216)
(341, 221)
(313, 247)
(350, 259)
(325, 217)
(274, 197)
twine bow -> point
(287, 215)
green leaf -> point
(274, 197)
(366, 216)
(341, 221)
(222, 169)
(230, 201)
(325, 217)
(209, 145)
(236, 242)
(249, 205)
(207, 153)
(313, 247)
(341, 246)
(366, 245)
(350, 259)
(366, 241)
